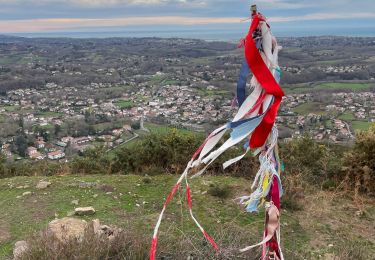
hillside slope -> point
(328, 224)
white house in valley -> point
(56, 155)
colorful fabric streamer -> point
(254, 123)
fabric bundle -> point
(253, 124)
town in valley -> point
(59, 97)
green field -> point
(20, 59)
(349, 86)
(205, 92)
(124, 104)
(10, 108)
(48, 127)
(157, 79)
(306, 88)
(307, 108)
(347, 117)
(361, 125)
(170, 82)
(163, 129)
(49, 114)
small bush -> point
(146, 180)
(219, 190)
(359, 170)
(169, 151)
(328, 185)
(291, 203)
(93, 161)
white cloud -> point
(282, 4)
(60, 24)
(66, 24)
(322, 16)
(97, 3)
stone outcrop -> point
(43, 185)
(67, 228)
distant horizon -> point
(201, 19)
(202, 34)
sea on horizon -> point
(223, 34)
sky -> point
(110, 17)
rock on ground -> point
(43, 185)
(67, 228)
(103, 230)
(84, 211)
(19, 249)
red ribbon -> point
(275, 198)
(153, 248)
(268, 83)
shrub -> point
(169, 151)
(290, 202)
(359, 164)
(93, 161)
(317, 162)
(328, 185)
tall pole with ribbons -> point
(253, 124)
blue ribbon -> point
(241, 84)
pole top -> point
(254, 8)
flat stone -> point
(22, 187)
(19, 249)
(43, 185)
(84, 211)
(27, 193)
(75, 202)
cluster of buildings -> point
(194, 106)
(333, 121)
(179, 106)
(342, 69)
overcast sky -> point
(27, 16)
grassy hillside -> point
(325, 224)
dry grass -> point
(128, 245)
(133, 246)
